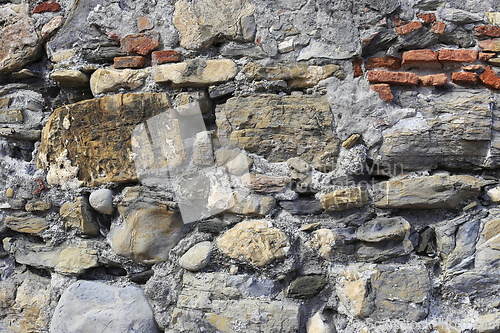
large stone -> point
(106, 80)
(460, 16)
(116, 309)
(279, 128)
(100, 155)
(438, 191)
(254, 242)
(353, 290)
(27, 223)
(383, 228)
(203, 23)
(344, 199)
(151, 227)
(77, 215)
(196, 73)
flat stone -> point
(488, 323)
(222, 90)
(11, 116)
(129, 62)
(27, 223)
(117, 309)
(420, 57)
(426, 193)
(38, 206)
(197, 73)
(141, 44)
(265, 184)
(465, 245)
(407, 28)
(460, 16)
(110, 80)
(254, 242)
(70, 78)
(490, 45)
(382, 251)
(345, 199)
(302, 206)
(378, 42)
(488, 245)
(383, 229)
(351, 141)
(449, 55)
(438, 28)
(427, 17)
(233, 161)
(109, 140)
(77, 215)
(197, 257)
(306, 287)
(489, 79)
(102, 201)
(353, 290)
(143, 23)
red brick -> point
(490, 45)
(129, 62)
(489, 79)
(487, 31)
(427, 17)
(420, 57)
(356, 66)
(407, 28)
(389, 62)
(143, 23)
(485, 56)
(433, 80)
(163, 57)
(141, 44)
(399, 78)
(448, 55)
(48, 6)
(438, 28)
(464, 78)
(384, 91)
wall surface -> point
(250, 166)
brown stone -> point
(51, 26)
(438, 28)
(384, 91)
(265, 184)
(490, 45)
(77, 215)
(39, 206)
(433, 80)
(356, 66)
(420, 58)
(347, 144)
(388, 62)
(166, 56)
(103, 126)
(141, 44)
(129, 62)
(345, 199)
(487, 31)
(398, 22)
(143, 23)
(427, 17)
(464, 78)
(11, 116)
(48, 6)
(489, 79)
(398, 78)
(407, 28)
(473, 68)
(448, 55)
(26, 223)
(485, 56)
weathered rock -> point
(464, 78)
(71, 258)
(383, 229)
(488, 245)
(9, 193)
(103, 155)
(489, 79)
(47, 6)
(77, 215)
(381, 251)
(493, 17)
(107, 307)
(306, 287)
(51, 26)
(222, 90)
(203, 150)
(379, 41)
(27, 223)
(317, 324)
(345, 199)
(70, 78)
(196, 73)
(38, 206)
(494, 194)
(201, 24)
(426, 193)
(490, 45)
(268, 125)
(465, 245)
(254, 242)
(384, 91)
(265, 184)
(388, 62)
(433, 80)
(233, 161)
(460, 16)
(129, 62)
(110, 80)
(201, 97)
(166, 56)
(303, 206)
(11, 116)
(426, 242)
(102, 201)
(197, 257)
(353, 290)
(150, 229)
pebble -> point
(10, 193)
(196, 257)
(102, 201)
(233, 269)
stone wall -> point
(250, 166)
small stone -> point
(233, 269)
(129, 62)
(166, 56)
(70, 78)
(315, 324)
(420, 57)
(285, 46)
(347, 144)
(487, 31)
(433, 80)
(203, 150)
(48, 6)
(143, 23)
(78, 215)
(303, 206)
(397, 78)
(427, 17)
(9, 193)
(141, 44)
(356, 67)
(460, 16)
(197, 257)
(438, 28)
(306, 287)
(470, 206)
(311, 226)
(490, 45)
(489, 323)
(51, 26)
(102, 201)
(39, 206)
(21, 134)
(448, 55)
(464, 78)
(494, 61)
(383, 229)
(407, 28)
(388, 62)
(222, 90)
(473, 68)
(384, 92)
(489, 79)
(494, 194)
(344, 199)
(485, 56)
(236, 163)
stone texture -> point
(388, 62)
(305, 287)
(70, 78)
(129, 62)
(203, 150)
(397, 78)
(11, 116)
(141, 44)
(233, 161)
(383, 229)
(489, 79)
(187, 98)
(490, 45)
(433, 80)
(265, 184)
(27, 223)
(103, 155)
(488, 245)
(111, 80)
(345, 199)
(487, 31)
(77, 215)
(251, 124)
(460, 16)
(351, 141)
(9, 193)
(143, 23)
(254, 242)
(197, 257)
(488, 323)
(353, 291)
(464, 78)
(302, 206)
(420, 58)
(384, 91)
(485, 56)
(166, 56)
(493, 17)
(102, 201)
(449, 55)
(150, 228)
(196, 73)
(426, 193)
(117, 309)
(407, 28)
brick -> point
(166, 56)
(487, 31)
(48, 6)
(448, 55)
(490, 45)
(407, 28)
(143, 23)
(427, 17)
(141, 44)
(464, 78)
(389, 62)
(384, 91)
(489, 79)
(398, 78)
(129, 62)
(438, 28)
(433, 80)
(485, 56)
(472, 68)
(356, 67)
(420, 57)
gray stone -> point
(383, 229)
(222, 90)
(465, 245)
(203, 149)
(234, 50)
(460, 16)
(302, 206)
(488, 245)
(378, 252)
(418, 39)
(384, 6)
(320, 49)
(428, 4)
(117, 309)
(306, 287)
(379, 42)
(197, 257)
(102, 201)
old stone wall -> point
(250, 166)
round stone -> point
(102, 201)
(196, 257)
(10, 193)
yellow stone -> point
(9, 193)
(351, 141)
